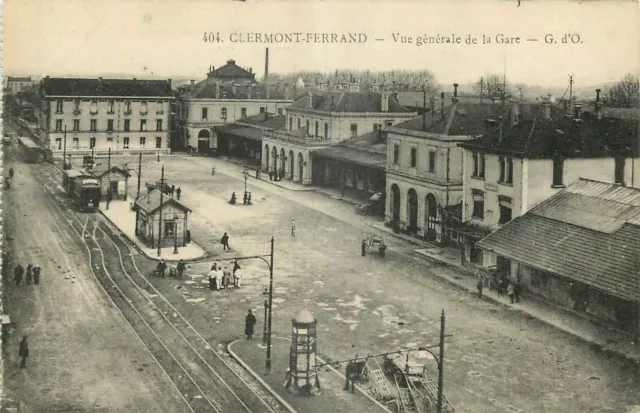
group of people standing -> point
(220, 277)
(172, 190)
(276, 175)
(32, 274)
(503, 284)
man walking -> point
(17, 274)
(249, 322)
(237, 278)
(364, 247)
(213, 275)
(161, 268)
(511, 292)
(36, 274)
(517, 290)
(178, 192)
(480, 285)
(180, 267)
(173, 190)
(11, 172)
(225, 242)
(23, 352)
(293, 228)
(29, 274)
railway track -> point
(205, 380)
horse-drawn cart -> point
(375, 243)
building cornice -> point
(429, 135)
(387, 115)
(167, 98)
(423, 180)
(225, 100)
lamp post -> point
(175, 234)
(246, 176)
(267, 364)
(265, 293)
(138, 172)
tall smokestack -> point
(455, 93)
(598, 105)
(266, 66)
(441, 105)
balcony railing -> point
(94, 112)
(303, 140)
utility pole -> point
(441, 365)
(108, 178)
(571, 93)
(139, 173)
(64, 150)
(160, 222)
(481, 87)
(268, 362)
(266, 316)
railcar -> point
(30, 151)
(69, 178)
(86, 193)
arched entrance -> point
(204, 136)
(412, 210)
(274, 153)
(430, 217)
(291, 165)
(395, 202)
(283, 160)
(266, 158)
(300, 167)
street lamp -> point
(175, 234)
(267, 364)
(265, 293)
(246, 176)
(138, 172)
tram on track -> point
(69, 178)
(86, 193)
(30, 151)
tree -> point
(522, 90)
(625, 93)
(493, 86)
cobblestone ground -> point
(496, 360)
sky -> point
(164, 38)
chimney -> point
(515, 114)
(442, 105)
(193, 82)
(454, 99)
(578, 111)
(598, 105)
(266, 66)
(384, 101)
(546, 111)
(233, 88)
(500, 132)
(310, 99)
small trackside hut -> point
(113, 182)
(174, 220)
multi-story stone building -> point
(228, 94)
(15, 84)
(424, 164)
(324, 118)
(124, 115)
(512, 169)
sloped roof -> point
(272, 122)
(231, 70)
(207, 90)
(349, 102)
(151, 202)
(106, 87)
(304, 316)
(101, 169)
(368, 150)
(543, 138)
(590, 232)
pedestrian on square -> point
(249, 199)
(237, 278)
(245, 198)
(236, 266)
(162, 267)
(511, 292)
(214, 267)
(178, 192)
(233, 198)
(381, 250)
(11, 172)
(188, 237)
(517, 290)
(271, 175)
(258, 173)
(36, 274)
(213, 275)
(219, 276)
(293, 228)
(225, 242)
(17, 274)
(480, 285)
(213, 171)
(364, 247)
(29, 274)
(505, 285)
(249, 322)
(23, 352)
(225, 279)
(173, 190)
(181, 267)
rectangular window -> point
(94, 107)
(125, 142)
(509, 171)
(158, 142)
(59, 143)
(478, 165)
(143, 125)
(76, 107)
(143, 108)
(243, 113)
(262, 109)
(396, 154)
(478, 203)
(619, 170)
(326, 131)
(377, 127)
(506, 208)
(92, 143)
(299, 123)
(76, 125)
(111, 104)
(432, 161)
(388, 123)
(143, 141)
(307, 123)
(76, 143)
(94, 125)
(169, 228)
(127, 125)
(109, 125)
(501, 166)
(354, 130)
(223, 113)
(59, 106)
(159, 124)
(58, 125)
(127, 108)
(317, 126)
(558, 171)
(414, 157)
(280, 111)
(205, 113)
(290, 123)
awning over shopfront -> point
(353, 155)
